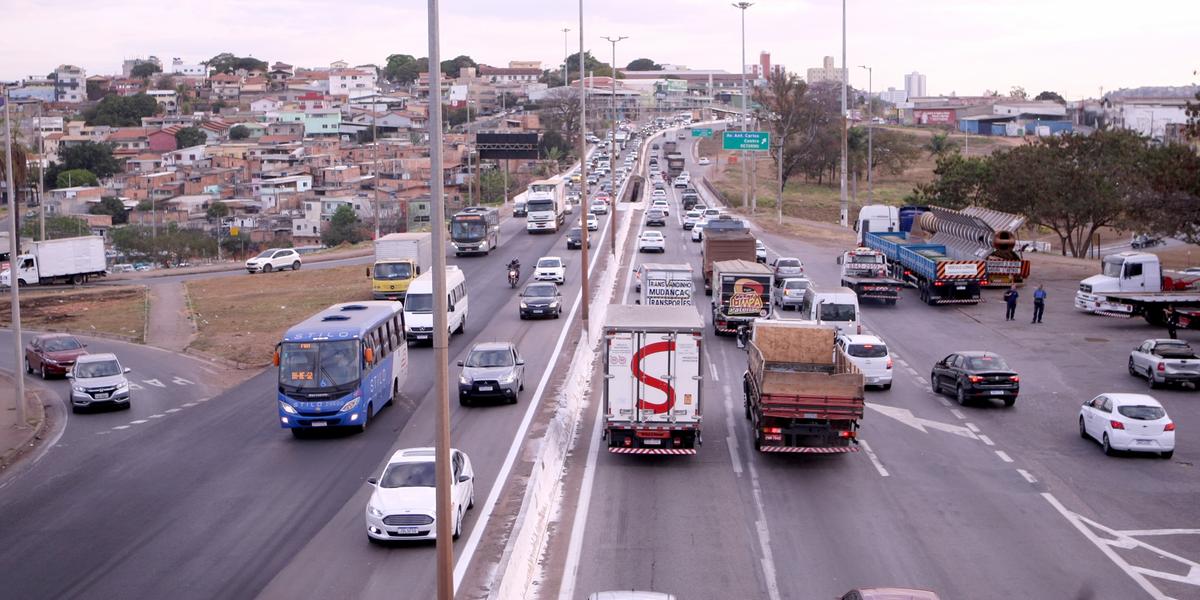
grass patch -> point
(113, 311)
(241, 317)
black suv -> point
(575, 239)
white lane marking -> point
(1004, 456)
(1028, 477)
(172, 410)
(713, 369)
(944, 401)
(203, 399)
(959, 414)
(1147, 532)
(911, 371)
(986, 440)
(158, 416)
(921, 380)
(902, 362)
(119, 427)
(972, 427)
(187, 404)
(874, 459)
(133, 385)
(730, 439)
(764, 536)
(181, 381)
(138, 422)
(154, 382)
(906, 417)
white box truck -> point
(662, 284)
(67, 260)
(399, 259)
(652, 379)
(545, 205)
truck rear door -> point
(654, 378)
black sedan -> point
(541, 300)
(973, 375)
(575, 239)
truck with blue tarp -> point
(939, 278)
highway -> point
(218, 501)
(972, 502)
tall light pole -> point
(843, 217)
(745, 105)
(612, 155)
(870, 137)
(14, 249)
(565, 55)
(445, 545)
(375, 156)
(583, 191)
(41, 178)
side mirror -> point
(127, 369)
(84, 345)
(520, 362)
(464, 478)
(372, 481)
(368, 272)
(275, 358)
(460, 363)
(69, 375)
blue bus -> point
(339, 367)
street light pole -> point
(843, 213)
(443, 520)
(375, 153)
(585, 299)
(41, 178)
(745, 105)
(612, 155)
(565, 30)
(870, 137)
(14, 249)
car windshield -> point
(103, 368)
(539, 205)
(318, 365)
(986, 363)
(1142, 413)
(867, 350)
(399, 475)
(418, 303)
(795, 284)
(393, 271)
(1112, 267)
(549, 263)
(540, 291)
(575, 232)
(651, 235)
(61, 344)
(866, 259)
(500, 357)
(836, 312)
(787, 262)
(265, 254)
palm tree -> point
(940, 144)
(553, 156)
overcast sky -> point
(1075, 47)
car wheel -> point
(76, 409)
(1083, 429)
(521, 314)
(299, 433)
(933, 383)
(471, 502)
(886, 386)
(960, 394)
(462, 325)
(1010, 401)
(1108, 449)
(1132, 370)
(1167, 455)
(266, 268)
(366, 419)
(45, 375)
(463, 400)
(1150, 379)
(296, 266)
(28, 367)
(458, 525)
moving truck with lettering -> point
(652, 379)
(661, 284)
(741, 294)
(399, 259)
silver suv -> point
(492, 370)
(98, 379)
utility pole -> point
(467, 131)
(41, 179)
(14, 249)
(843, 217)
(375, 152)
(583, 191)
(503, 108)
(612, 156)
(565, 56)
(779, 196)
(441, 353)
(745, 103)
(870, 137)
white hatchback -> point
(658, 194)
(871, 356)
(274, 259)
(403, 506)
(661, 205)
(652, 241)
(1130, 422)
(550, 268)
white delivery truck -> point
(652, 379)
(662, 284)
(399, 259)
(545, 205)
(67, 260)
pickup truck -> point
(1164, 362)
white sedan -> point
(662, 205)
(550, 268)
(1131, 422)
(703, 161)
(658, 194)
(871, 356)
(402, 505)
(698, 229)
(652, 241)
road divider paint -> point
(874, 459)
(1028, 477)
(1004, 456)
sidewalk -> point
(15, 441)
(169, 324)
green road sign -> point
(758, 141)
(702, 132)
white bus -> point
(418, 305)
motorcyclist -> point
(514, 265)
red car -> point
(52, 354)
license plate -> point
(422, 337)
(537, 311)
(318, 424)
(997, 392)
(652, 442)
(1143, 441)
(485, 388)
(406, 530)
(960, 287)
(101, 396)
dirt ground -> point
(114, 311)
(241, 317)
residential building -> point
(226, 86)
(70, 84)
(893, 96)
(72, 200)
(128, 64)
(826, 72)
(914, 85)
(167, 99)
(525, 64)
(163, 140)
(31, 89)
(1150, 117)
(351, 82)
(764, 69)
(508, 75)
(178, 67)
(129, 141)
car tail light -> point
(1169, 427)
(1162, 367)
(938, 284)
(1117, 424)
(772, 430)
(1015, 378)
(889, 362)
(983, 282)
(974, 378)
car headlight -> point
(78, 388)
(523, 305)
(463, 379)
(374, 512)
(351, 405)
(123, 386)
(554, 304)
(287, 408)
(511, 377)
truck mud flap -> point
(672, 451)
(807, 450)
(958, 301)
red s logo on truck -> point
(654, 382)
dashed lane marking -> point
(1028, 477)
(959, 414)
(120, 427)
(172, 410)
(986, 440)
(1003, 455)
(712, 368)
(158, 416)
(883, 472)
(188, 404)
(944, 401)
(921, 380)
(138, 422)
(974, 428)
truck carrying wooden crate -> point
(725, 244)
(801, 394)
(652, 379)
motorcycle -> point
(513, 276)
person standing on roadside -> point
(1039, 303)
(1010, 299)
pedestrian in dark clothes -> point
(1039, 304)
(1010, 299)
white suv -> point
(550, 268)
(274, 259)
(871, 356)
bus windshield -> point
(393, 271)
(419, 303)
(467, 229)
(318, 366)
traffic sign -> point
(702, 132)
(758, 141)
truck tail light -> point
(1117, 424)
(1169, 427)
(938, 284)
(974, 378)
(847, 434)
(983, 282)
(772, 430)
(1162, 367)
(628, 442)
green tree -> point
(1048, 95)
(94, 93)
(57, 227)
(455, 116)
(112, 206)
(121, 111)
(643, 64)
(239, 132)
(1017, 92)
(404, 68)
(171, 245)
(144, 70)
(343, 228)
(75, 177)
(453, 66)
(591, 64)
(491, 187)
(1169, 201)
(960, 182)
(227, 62)
(940, 144)
(92, 156)
(1193, 118)
(217, 210)
(164, 82)
(190, 136)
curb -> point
(224, 362)
(232, 267)
(36, 434)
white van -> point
(836, 306)
(418, 305)
(876, 217)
